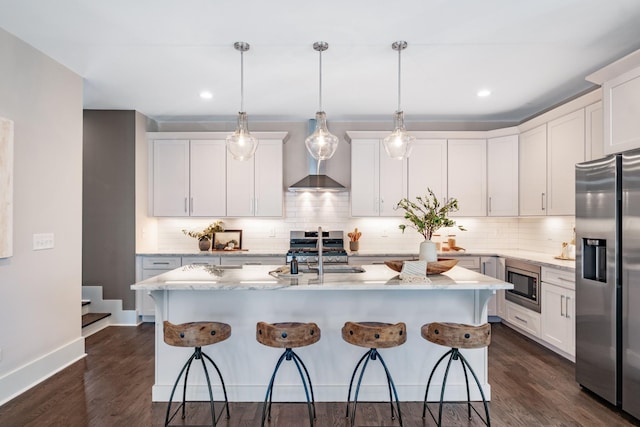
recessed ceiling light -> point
(206, 95)
(482, 93)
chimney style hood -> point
(317, 180)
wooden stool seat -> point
(195, 334)
(457, 335)
(374, 334)
(287, 334)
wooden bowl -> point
(438, 267)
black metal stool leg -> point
(424, 406)
(267, 398)
(167, 420)
(224, 389)
(487, 421)
(186, 381)
(351, 382)
(466, 382)
(393, 386)
(355, 397)
(310, 406)
(211, 403)
(313, 398)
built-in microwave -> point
(525, 278)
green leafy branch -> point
(426, 215)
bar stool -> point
(373, 335)
(456, 336)
(197, 335)
(289, 335)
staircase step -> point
(90, 318)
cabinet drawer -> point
(201, 260)
(252, 260)
(524, 319)
(565, 279)
(161, 262)
(470, 262)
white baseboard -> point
(23, 378)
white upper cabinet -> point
(254, 186)
(467, 175)
(192, 175)
(594, 131)
(565, 148)
(533, 171)
(188, 178)
(207, 178)
(427, 168)
(378, 182)
(502, 175)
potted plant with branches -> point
(427, 215)
(205, 237)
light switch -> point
(43, 241)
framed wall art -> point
(227, 240)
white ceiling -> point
(156, 56)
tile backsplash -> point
(306, 211)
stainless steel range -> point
(304, 246)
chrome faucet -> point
(320, 267)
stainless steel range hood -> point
(317, 180)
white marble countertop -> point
(257, 277)
(539, 258)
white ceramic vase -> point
(428, 251)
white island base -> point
(246, 296)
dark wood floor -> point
(531, 386)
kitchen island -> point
(243, 296)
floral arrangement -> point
(207, 233)
(427, 215)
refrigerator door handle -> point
(562, 304)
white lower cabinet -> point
(558, 310)
(522, 318)
(150, 266)
(252, 260)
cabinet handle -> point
(564, 279)
(191, 205)
(255, 206)
(252, 263)
(561, 305)
(381, 205)
(542, 201)
(251, 205)
(520, 319)
(185, 205)
(566, 307)
(489, 204)
(161, 263)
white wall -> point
(40, 291)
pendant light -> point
(241, 144)
(322, 144)
(398, 145)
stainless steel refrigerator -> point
(608, 279)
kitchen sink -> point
(344, 269)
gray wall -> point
(108, 204)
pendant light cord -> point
(399, 78)
(242, 81)
(320, 85)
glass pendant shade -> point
(241, 144)
(322, 144)
(399, 143)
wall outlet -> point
(43, 241)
